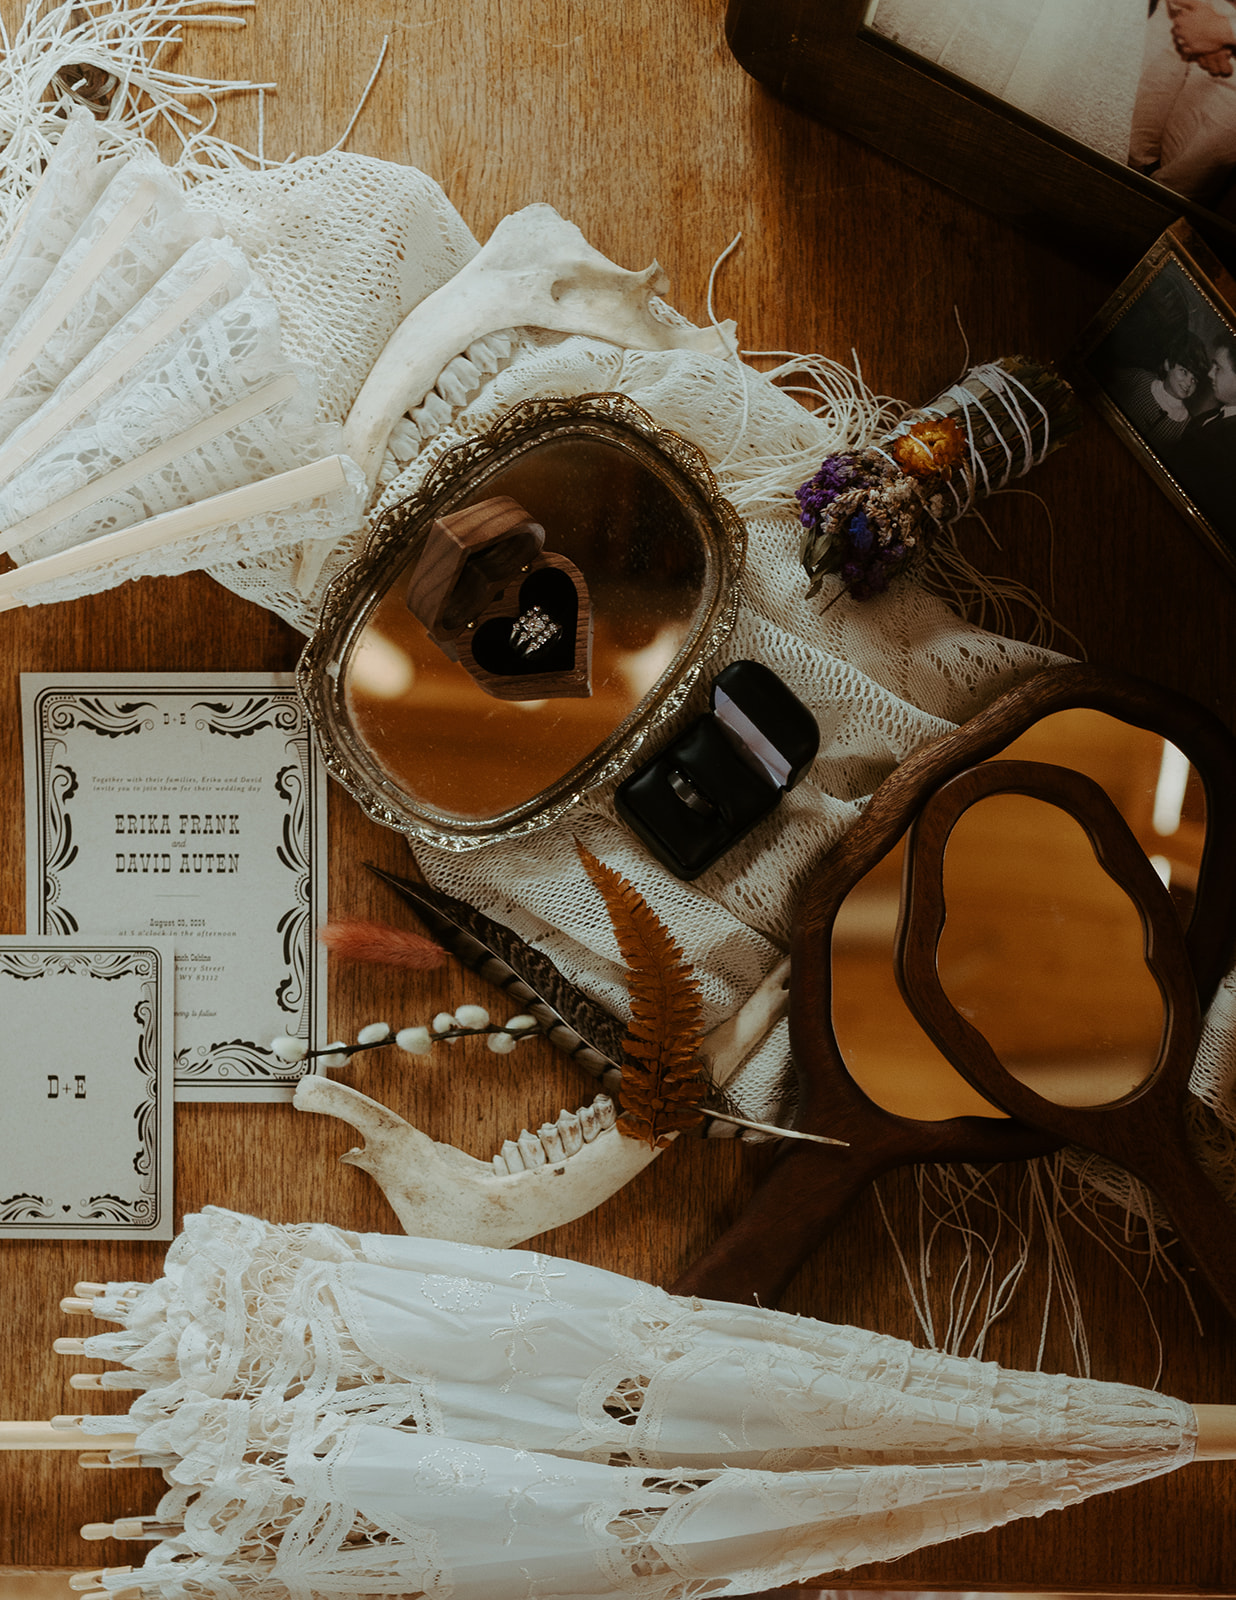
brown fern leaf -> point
(661, 1083)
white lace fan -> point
(145, 398)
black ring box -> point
(706, 790)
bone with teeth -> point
(535, 271)
(536, 1182)
(456, 384)
(556, 1141)
(438, 1192)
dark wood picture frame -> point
(1179, 264)
(819, 57)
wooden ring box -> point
(482, 570)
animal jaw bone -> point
(556, 1141)
(537, 271)
(455, 385)
(439, 1192)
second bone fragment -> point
(536, 270)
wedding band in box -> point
(523, 621)
(709, 787)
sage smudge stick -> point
(870, 514)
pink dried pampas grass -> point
(381, 945)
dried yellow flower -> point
(930, 448)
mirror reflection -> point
(1149, 781)
(648, 577)
(1041, 950)
(885, 1050)
(1043, 953)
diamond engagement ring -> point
(532, 630)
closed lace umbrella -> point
(340, 1414)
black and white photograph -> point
(1147, 83)
(1160, 360)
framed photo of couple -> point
(1096, 122)
(1159, 361)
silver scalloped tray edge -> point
(351, 593)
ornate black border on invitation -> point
(232, 1068)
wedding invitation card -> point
(86, 1059)
(191, 807)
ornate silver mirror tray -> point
(516, 628)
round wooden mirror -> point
(1041, 950)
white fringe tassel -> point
(843, 414)
(41, 70)
(973, 1246)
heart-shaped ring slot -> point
(539, 635)
(534, 641)
(531, 644)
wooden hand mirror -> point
(1189, 949)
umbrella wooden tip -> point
(122, 1528)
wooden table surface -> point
(637, 124)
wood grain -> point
(637, 124)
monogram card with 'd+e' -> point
(86, 1062)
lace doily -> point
(346, 246)
(138, 227)
(144, 370)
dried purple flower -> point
(868, 514)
